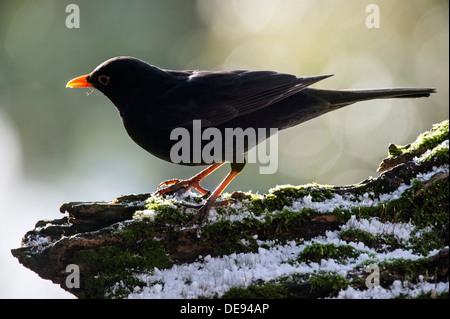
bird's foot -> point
(203, 212)
(180, 187)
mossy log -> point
(398, 221)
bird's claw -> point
(203, 212)
(168, 183)
(179, 186)
(172, 186)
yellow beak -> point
(79, 82)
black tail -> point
(342, 98)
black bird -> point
(152, 102)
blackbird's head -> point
(118, 77)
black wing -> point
(217, 97)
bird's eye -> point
(103, 79)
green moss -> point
(270, 290)
(425, 208)
(316, 252)
(424, 242)
(421, 243)
(438, 154)
(411, 270)
(397, 150)
(327, 283)
(432, 295)
(420, 205)
(425, 141)
(432, 138)
(226, 236)
(108, 264)
(320, 285)
(318, 192)
(356, 235)
(163, 212)
(288, 219)
(102, 286)
(104, 266)
(279, 197)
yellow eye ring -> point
(103, 79)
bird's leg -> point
(182, 186)
(203, 212)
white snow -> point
(401, 231)
(39, 242)
(215, 276)
(145, 214)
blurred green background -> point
(60, 145)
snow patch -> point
(401, 231)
